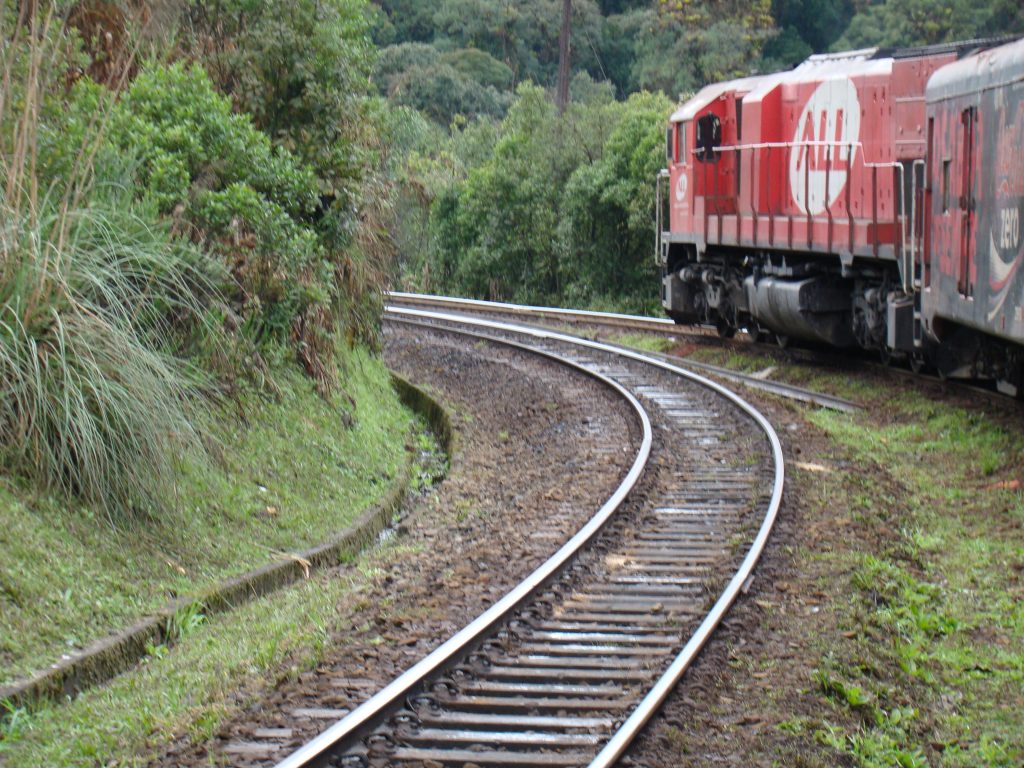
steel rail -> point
(788, 391)
(658, 325)
(368, 714)
(618, 744)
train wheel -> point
(726, 330)
(917, 361)
(885, 356)
(783, 340)
(756, 333)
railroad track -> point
(707, 336)
(576, 317)
(619, 322)
(569, 665)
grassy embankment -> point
(935, 665)
(284, 481)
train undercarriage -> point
(794, 299)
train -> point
(867, 199)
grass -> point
(95, 404)
(187, 689)
(219, 664)
(936, 672)
(283, 482)
(644, 341)
(745, 361)
(95, 298)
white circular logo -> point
(681, 184)
(825, 145)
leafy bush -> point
(395, 60)
(301, 69)
(441, 92)
(243, 200)
(561, 208)
(608, 207)
(479, 66)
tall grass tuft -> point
(94, 402)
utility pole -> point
(562, 98)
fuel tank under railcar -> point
(974, 276)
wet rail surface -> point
(567, 671)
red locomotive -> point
(865, 198)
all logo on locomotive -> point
(869, 198)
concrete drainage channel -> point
(569, 665)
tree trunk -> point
(562, 98)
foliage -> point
(896, 23)
(816, 23)
(441, 92)
(406, 21)
(94, 404)
(395, 60)
(228, 189)
(608, 208)
(479, 66)
(560, 208)
(300, 69)
(96, 299)
(522, 34)
(675, 56)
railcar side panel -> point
(977, 171)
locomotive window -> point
(681, 146)
(945, 185)
(669, 154)
(709, 136)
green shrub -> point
(559, 208)
(248, 203)
(441, 92)
(300, 69)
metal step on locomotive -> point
(865, 199)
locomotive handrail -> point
(910, 281)
(659, 206)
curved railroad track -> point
(618, 322)
(587, 319)
(568, 666)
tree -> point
(901, 23)
(562, 98)
(301, 69)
